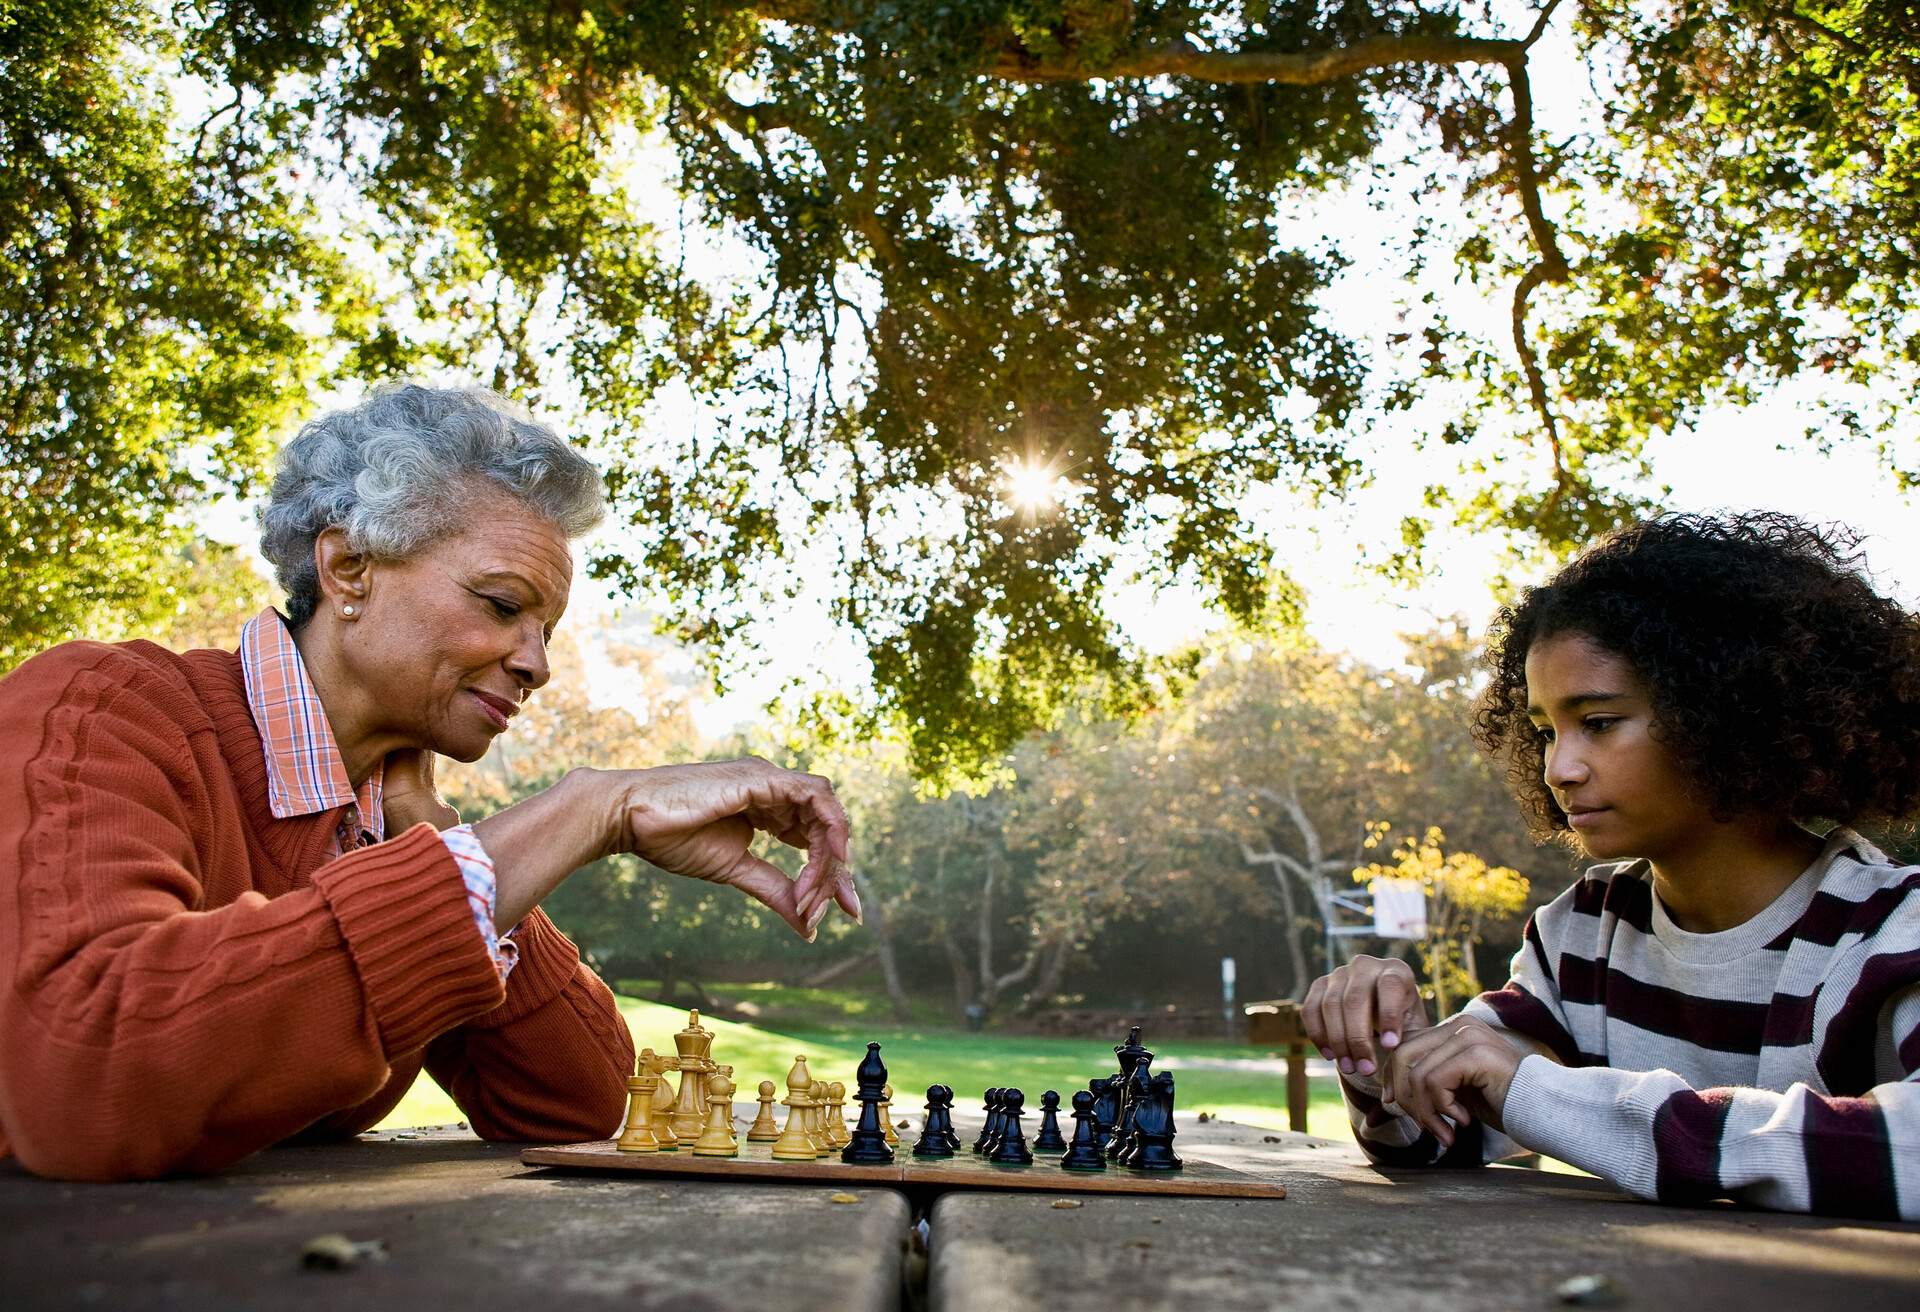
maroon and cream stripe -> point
(1777, 1063)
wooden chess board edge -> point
(1199, 1180)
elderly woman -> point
(233, 908)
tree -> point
(1464, 894)
(161, 296)
(1054, 236)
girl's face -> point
(1622, 791)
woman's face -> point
(454, 638)
(1623, 793)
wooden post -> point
(1277, 1025)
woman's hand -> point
(699, 821)
(693, 820)
(1367, 996)
(409, 795)
(1461, 1068)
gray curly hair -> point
(389, 472)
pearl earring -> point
(347, 611)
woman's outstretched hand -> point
(692, 820)
(699, 821)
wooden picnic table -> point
(465, 1224)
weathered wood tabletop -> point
(466, 1224)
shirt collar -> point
(305, 773)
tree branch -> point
(1182, 58)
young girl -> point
(1729, 1005)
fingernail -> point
(1346, 1064)
(1390, 1040)
(853, 896)
(1366, 1067)
(1327, 1053)
(818, 913)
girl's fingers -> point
(1333, 1019)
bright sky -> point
(1746, 459)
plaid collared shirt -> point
(305, 774)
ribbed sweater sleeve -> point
(550, 1063)
(148, 1028)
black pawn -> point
(1049, 1140)
(1084, 1153)
(946, 1116)
(997, 1127)
(867, 1145)
(1010, 1147)
(993, 1119)
(939, 1127)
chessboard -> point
(1123, 1132)
(963, 1171)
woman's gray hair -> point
(397, 472)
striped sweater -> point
(1776, 1063)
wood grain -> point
(1198, 1180)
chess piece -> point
(764, 1129)
(1134, 1063)
(727, 1073)
(653, 1063)
(867, 1145)
(1153, 1128)
(993, 1115)
(639, 1137)
(1085, 1152)
(996, 1122)
(694, 1046)
(1106, 1107)
(946, 1118)
(821, 1094)
(937, 1135)
(837, 1136)
(794, 1144)
(1010, 1145)
(716, 1140)
(886, 1115)
(1049, 1139)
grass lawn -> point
(917, 1057)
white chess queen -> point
(239, 910)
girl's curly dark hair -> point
(1781, 681)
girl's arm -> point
(1798, 1151)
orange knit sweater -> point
(186, 982)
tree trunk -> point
(962, 974)
(984, 933)
(876, 913)
(1053, 966)
(840, 969)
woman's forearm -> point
(537, 843)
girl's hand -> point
(1367, 996)
(409, 795)
(1461, 1068)
(699, 821)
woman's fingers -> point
(768, 884)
